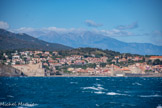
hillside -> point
(10, 41)
(90, 52)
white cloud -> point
(55, 29)
(4, 25)
(92, 23)
(114, 32)
(50, 30)
(25, 29)
(156, 37)
(130, 26)
(62, 30)
(157, 33)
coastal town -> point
(92, 63)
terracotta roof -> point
(51, 61)
(125, 69)
(155, 57)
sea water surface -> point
(80, 92)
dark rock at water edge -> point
(9, 71)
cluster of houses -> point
(50, 60)
(113, 70)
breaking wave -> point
(99, 92)
(97, 79)
(93, 88)
(150, 95)
(159, 106)
(73, 82)
(114, 93)
(136, 83)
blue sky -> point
(134, 20)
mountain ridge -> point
(75, 40)
(89, 39)
(11, 41)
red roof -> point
(50, 61)
(125, 69)
(155, 57)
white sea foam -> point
(136, 83)
(73, 82)
(113, 93)
(93, 88)
(97, 79)
(98, 85)
(99, 92)
(143, 78)
(159, 106)
(150, 95)
(97, 105)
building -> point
(155, 57)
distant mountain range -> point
(58, 41)
(10, 41)
(94, 40)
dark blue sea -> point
(80, 92)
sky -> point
(125, 20)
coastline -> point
(143, 75)
(128, 75)
(107, 76)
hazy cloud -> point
(49, 30)
(63, 30)
(114, 32)
(155, 37)
(4, 25)
(91, 23)
(157, 33)
(131, 26)
(39, 31)
(25, 29)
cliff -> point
(10, 71)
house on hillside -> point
(155, 57)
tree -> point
(25, 59)
(57, 68)
(66, 64)
(102, 64)
(149, 62)
(2, 58)
(92, 65)
(157, 62)
(17, 62)
(143, 59)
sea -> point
(80, 92)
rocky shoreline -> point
(133, 75)
(9, 71)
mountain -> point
(90, 39)
(9, 41)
